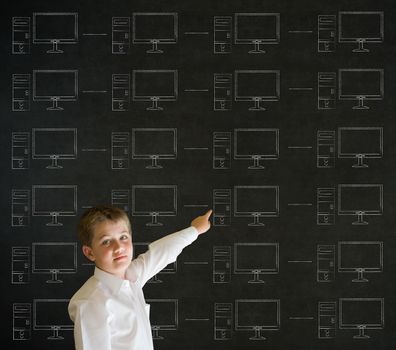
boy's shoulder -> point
(91, 299)
(89, 290)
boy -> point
(109, 311)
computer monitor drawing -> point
(54, 258)
(256, 202)
(257, 86)
(54, 201)
(142, 247)
(360, 143)
(52, 315)
(360, 27)
(154, 201)
(54, 144)
(154, 86)
(55, 86)
(360, 85)
(361, 314)
(256, 144)
(360, 257)
(164, 316)
(360, 200)
(55, 28)
(257, 315)
(256, 259)
(257, 29)
(155, 28)
(154, 144)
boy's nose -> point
(117, 246)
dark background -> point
(295, 172)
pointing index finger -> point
(208, 214)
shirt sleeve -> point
(161, 253)
(91, 325)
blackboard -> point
(278, 115)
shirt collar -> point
(112, 282)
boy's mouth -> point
(120, 257)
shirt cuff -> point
(194, 230)
(189, 235)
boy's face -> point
(111, 247)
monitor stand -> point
(256, 47)
(154, 48)
(154, 220)
(154, 163)
(55, 48)
(54, 106)
(257, 334)
(360, 164)
(54, 164)
(154, 279)
(154, 106)
(54, 274)
(54, 221)
(360, 46)
(256, 221)
(55, 335)
(360, 220)
(360, 103)
(156, 336)
(256, 277)
(256, 165)
(257, 106)
(360, 277)
(361, 334)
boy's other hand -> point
(202, 223)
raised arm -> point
(165, 250)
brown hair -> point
(96, 215)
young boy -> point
(109, 311)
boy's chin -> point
(123, 263)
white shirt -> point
(110, 313)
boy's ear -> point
(87, 251)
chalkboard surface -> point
(278, 115)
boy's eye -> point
(124, 237)
(106, 242)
